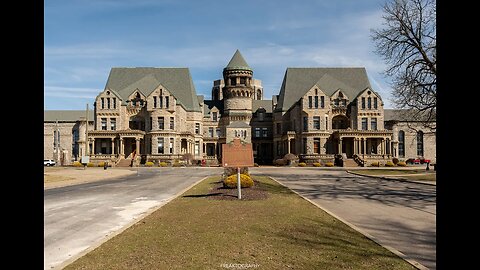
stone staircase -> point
(349, 162)
(124, 162)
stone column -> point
(93, 146)
(384, 151)
(339, 145)
(137, 146)
(364, 146)
(113, 146)
(121, 148)
(288, 145)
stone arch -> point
(340, 122)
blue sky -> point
(84, 39)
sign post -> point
(236, 155)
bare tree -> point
(407, 43)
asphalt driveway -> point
(79, 217)
(401, 215)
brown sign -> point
(237, 154)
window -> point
(316, 145)
(151, 123)
(316, 92)
(369, 103)
(322, 102)
(161, 125)
(114, 103)
(373, 124)
(197, 128)
(310, 102)
(160, 146)
(335, 102)
(305, 123)
(242, 80)
(233, 81)
(326, 122)
(104, 123)
(218, 132)
(363, 103)
(108, 103)
(279, 128)
(401, 143)
(113, 123)
(316, 122)
(214, 116)
(316, 101)
(420, 143)
(167, 102)
(375, 103)
(103, 103)
(210, 132)
(160, 101)
(264, 132)
(304, 144)
(172, 123)
(154, 102)
(56, 138)
(261, 116)
(257, 132)
(171, 145)
(364, 123)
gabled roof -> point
(237, 62)
(405, 115)
(266, 104)
(297, 82)
(209, 104)
(177, 81)
(66, 115)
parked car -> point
(48, 162)
(417, 161)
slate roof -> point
(237, 62)
(297, 81)
(66, 115)
(403, 115)
(266, 104)
(177, 81)
(209, 104)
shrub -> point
(162, 164)
(255, 164)
(302, 164)
(148, 164)
(280, 162)
(231, 181)
(101, 164)
(317, 164)
(389, 164)
(90, 164)
(77, 164)
(290, 157)
(402, 164)
(188, 157)
(375, 164)
(395, 160)
(233, 171)
(329, 164)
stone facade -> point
(154, 114)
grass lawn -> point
(47, 178)
(282, 231)
(390, 171)
(422, 177)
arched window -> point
(420, 143)
(401, 143)
(259, 95)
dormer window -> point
(214, 116)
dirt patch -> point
(218, 192)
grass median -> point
(416, 174)
(280, 231)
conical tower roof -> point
(237, 62)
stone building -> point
(154, 114)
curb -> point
(371, 237)
(391, 178)
(128, 225)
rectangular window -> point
(167, 104)
(316, 122)
(316, 145)
(108, 103)
(264, 132)
(322, 102)
(104, 123)
(305, 123)
(257, 132)
(210, 132)
(310, 102)
(214, 116)
(233, 81)
(197, 148)
(369, 104)
(154, 102)
(304, 145)
(375, 103)
(279, 128)
(335, 102)
(56, 138)
(161, 123)
(113, 123)
(160, 102)
(151, 123)
(364, 123)
(103, 103)
(363, 103)
(326, 122)
(373, 124)
(160, 146)
(197, 128)
(218, 132)
(114, 103)
(316, 101)
(172, 123)
(171, 145)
